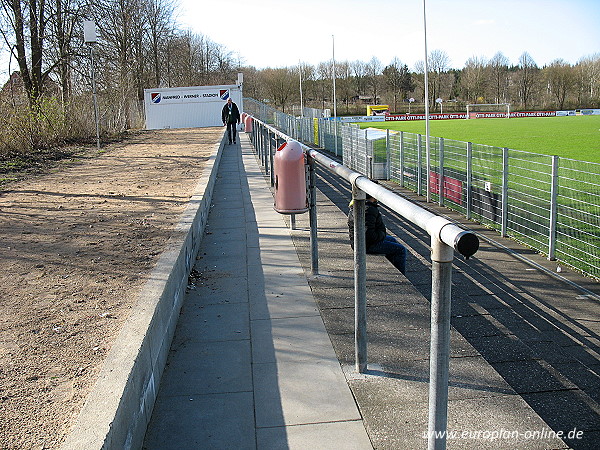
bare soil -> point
(76, 246)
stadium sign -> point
(188, 107)
(188, 96)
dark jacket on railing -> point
(375, 231)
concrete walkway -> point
(251, 365)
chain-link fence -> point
(548, 203)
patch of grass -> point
(575, 137)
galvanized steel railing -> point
(548, 203)
(445, 238)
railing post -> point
(360, 280)
(420, 166)
(388, 161)
(469, 178)
(312, 217)
(322, 132)
(270, 158)
(264, 133)
(504, 225)
(441, 256)
(267, 151)
(553, 210)
(257, 130)
(335, 135)
(402, 159)
(428, 167)
(441, 172)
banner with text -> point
(422, 116)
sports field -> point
(575, 137)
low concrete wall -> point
(119, 407)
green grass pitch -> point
(575, 137)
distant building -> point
(14, 88)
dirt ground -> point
(76, 246)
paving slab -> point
(196, 421)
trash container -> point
(290, 179)
(248, 124)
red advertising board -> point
(533, 114)
(474, 115)
(422, 116)
(453, 188)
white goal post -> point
(499, 109)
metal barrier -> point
(446, 237)
(548, 203)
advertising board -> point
(403, 117)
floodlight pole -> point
(334, 96)
(301, 101)
(426, 104)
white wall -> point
(188, 107)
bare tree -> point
(252, 85)
(324, 88)
(224, 64)
(498, 69)
(64, 43)
(561, 79)
(344, 89)
(373, 70)
(398, 80)
(359, 69)
(526, 79)
(473, 79)
(588, 71)
(120, 26)
(24, 30)
(279, 85)
(306, 73)
(159, 19)
(439, 63)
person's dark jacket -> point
(375, 231)
(234, 117)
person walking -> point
(230, 115)
(378, 242)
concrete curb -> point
(118, 409)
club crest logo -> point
(224, 94)
(156, 97)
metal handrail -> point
(446, 236)
(463, 241)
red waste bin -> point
(248, 124)
(290, 179)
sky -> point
(284, 33)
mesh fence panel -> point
(578, 215)
(475, 180)
(529, 188)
